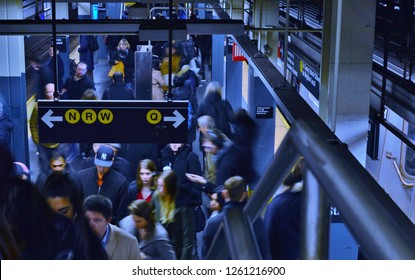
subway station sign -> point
(112, 121)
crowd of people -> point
(134, 201)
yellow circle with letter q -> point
(154, 116)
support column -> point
(218, 53)
(13, 82)
(233, 82)
(260, 101)
(346, 70)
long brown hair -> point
(145, 210)
(150, 165)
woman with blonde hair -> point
(125, 55)
(177, 219)
(154, 240)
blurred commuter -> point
(58, 165)
(220, 110)
(20, 170)
(40, 233)
(154, 239)
(157, 80)
(185, 85)
(51, 64)
(118, 244)
(86, 53)
(283, 218)
(6, 126)
(228, 152)
(45, 150)
(43, 77)
(89, 94)
(104, 180)
(8, 245)
(234, 194)
(178, 220)
(118, 90)
(64, 197)
(77, 84)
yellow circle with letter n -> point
(72, 116)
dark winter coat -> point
(127, 58)
(185, 161)
(282, 223)
(61, 70)
(214, 223)
(114, 187)
(85, 54)
(118, 91)
(6, 126)
(220, 110)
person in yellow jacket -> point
(45, 150)
(175, 58)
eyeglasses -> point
(57, 165)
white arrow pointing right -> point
(48, 119)
(178, 119)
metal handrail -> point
(405, 184)
(379, 226)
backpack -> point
(93, 43)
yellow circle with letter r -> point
(153, 116)
(105, 116)
(72, 116)
(89, 116)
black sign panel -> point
(264, 112)
(60, 43)
(309, 76)
(113, 121)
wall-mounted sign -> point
(264, 112)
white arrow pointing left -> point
(178, 119)
(48, 118)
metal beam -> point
(143, 2)
(125, 27)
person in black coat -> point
(43, 77)
(220, 110)
(6, 127)
(104, 180)
(182, 160)
(232, 157)
(118, 90)
(125, 55)
(40, 233)
(283, 218)
(52, 66)
(86, 54)
(235, 196)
